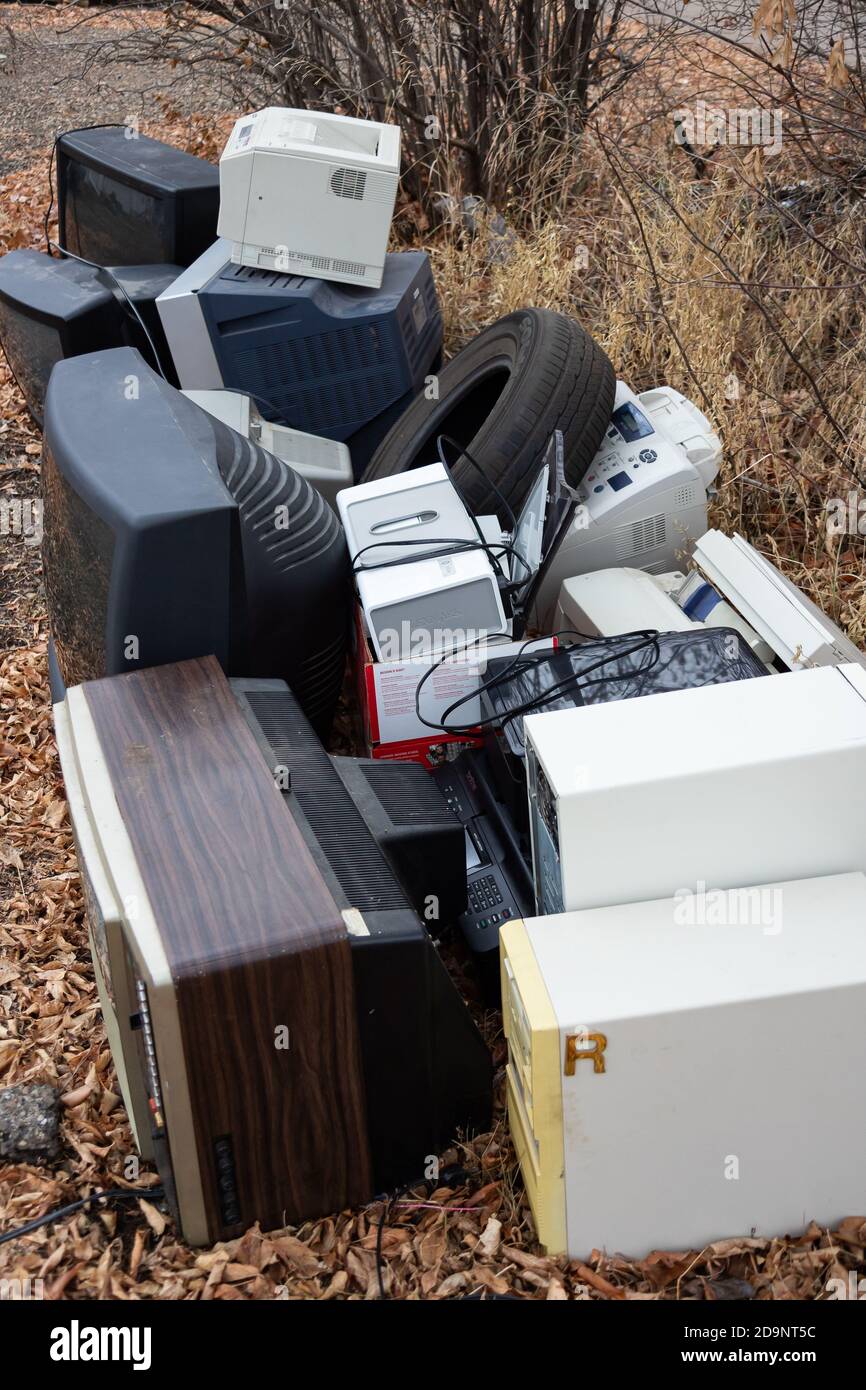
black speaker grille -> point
(408, 794)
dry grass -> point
(648, 281)
(781, 466)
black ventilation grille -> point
(343, 837)
(326, 380)
(274, 279)
(318, 677)
(408, 799)
(349, 183)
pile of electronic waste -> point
(574, 759)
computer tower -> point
(725, 785)
(689, 1068)
(336, 360)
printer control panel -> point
(653, 442)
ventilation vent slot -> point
(685, 497)
(324, 381)
(408, 799)
(349, 267)
(349, 183)
(641, 536)
(308, 258)
(275, 279)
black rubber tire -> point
(549, 374)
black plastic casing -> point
(167, 535)
(125, 199)
(427, 1070)
(52, 308)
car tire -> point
(501, 398)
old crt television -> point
(167, 535)
(336, 360)
(124, 199)
(52, 307)
(286, 1037)
(722, 785)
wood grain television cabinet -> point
(232, 985)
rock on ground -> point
(29, 1123)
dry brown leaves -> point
(448, 1243)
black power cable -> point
(450, 1177)
(114, 1194)
(100, 125)
(133, 309)
(648, 641)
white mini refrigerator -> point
(683, 1071)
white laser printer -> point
(310, 193)
(422, 594)
(644, 498)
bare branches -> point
(492, 96)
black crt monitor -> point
(53, 307)
(427, 1070)
(125, 199)
(167, 535)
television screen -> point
(167, 535)
(32, 346)
(101, 213)
(124, 199)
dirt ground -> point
(446, 1242)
